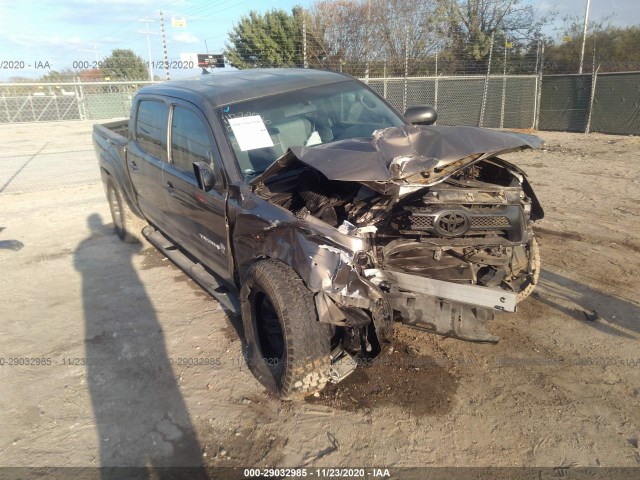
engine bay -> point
(472, 227)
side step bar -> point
(214, 287)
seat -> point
(287, 133)
(294, 132)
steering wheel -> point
(369, 103)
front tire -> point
(288, 349)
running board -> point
(214, 287)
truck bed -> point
(110, 143)
(113, 130)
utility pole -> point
(584, 34)
(94, 51)
(148, 33)
(164, 48)
(304, 43)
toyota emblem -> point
(451, 223)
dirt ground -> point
(130, 363)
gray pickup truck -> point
(305, 202)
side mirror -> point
(205, 176)
(421, 115)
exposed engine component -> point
(322, 197)
(456, 228)
(472, 228)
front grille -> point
(421, 222)
(425, 222)
(454, 221)
(490, 222)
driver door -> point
(198, 218)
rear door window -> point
(151, 127)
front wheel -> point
(288, 349)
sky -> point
(39, 36)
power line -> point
(148, 33)
(94, 51)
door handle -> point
(133, 165)
(170, 188)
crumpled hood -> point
(395, 153)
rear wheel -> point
(288, 349)
(126, 224)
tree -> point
(270, 40)
(55, 76)
(473, 23)
(123, 64)
(615, 49)
(358, 34)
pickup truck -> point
(305, 202)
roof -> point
(225, 87)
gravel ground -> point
(561, 388)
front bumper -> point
(450, 309)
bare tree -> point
(361, 34)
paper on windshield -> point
(250, 132)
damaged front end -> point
(423, 224)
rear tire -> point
(126, 224)
(288, 349)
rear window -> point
(151, 124)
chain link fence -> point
(616, 104)
(46, 102)
(564, 104)
(605, 103)
(494, 101)
(497, 101)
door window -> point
(189, 140)
(151, 124)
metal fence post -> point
(536, 115)
(33, 111)
(504, 94)
(6, 106)
(406, 70)
(435, 87)
(78, 101)
(55, 100)
(384, 84)
(504, 85)
(486, 85)
(594, 79)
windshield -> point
(261, 130)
